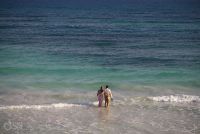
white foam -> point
(38, 107)
(176, 98)
(95, 103)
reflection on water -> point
(104, 114)
(145, 118)
(45, 112)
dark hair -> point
(106, 86)
(101, 89)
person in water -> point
(107, 96)
(100, 94)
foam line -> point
(55, 105)
(176, 98)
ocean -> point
(54, 59)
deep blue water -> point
(71, 48)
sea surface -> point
(54, 59)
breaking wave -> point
(38, 107)
(176, 98)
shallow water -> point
(73, 112)
(125, 115)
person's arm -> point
(111, 95)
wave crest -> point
(38, 107)
(176, 98)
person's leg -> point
(99, 99)
(100, 102)
(106, 101)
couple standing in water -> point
(106, 94)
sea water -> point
(54, 59)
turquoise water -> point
(60, 48)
